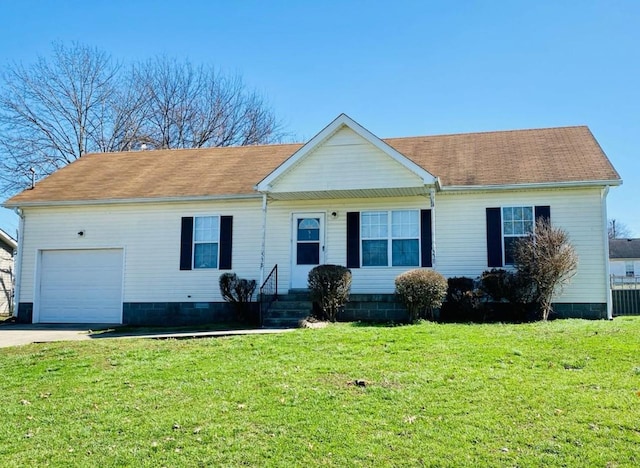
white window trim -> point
(389, 238)
(503, 235)
(194, 243)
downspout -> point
(264, 238)
(432, 200)
(607, 270)
(18, 262)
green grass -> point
(563, 393)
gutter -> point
(540, 185)
(117, 201)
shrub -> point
(547, 261)
(237, 291)
(496, 284)
(508, 296)
(503, 285)
(421, 291)
(463, 301)
(329, 286)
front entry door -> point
(307, 245)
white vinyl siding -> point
(150, 235)
(461, 236)
(345, 161)
(365, 280)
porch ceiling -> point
(351, 193)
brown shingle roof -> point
(567, 154)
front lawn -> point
(564, 393)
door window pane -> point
(308, 253)
(309, 229)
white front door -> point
(307, 240)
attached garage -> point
(80, 286)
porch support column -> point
(264, 238)
(432, 202)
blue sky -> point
(398, 68)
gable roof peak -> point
(343, 120)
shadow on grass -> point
(361, 324)
(117, 331)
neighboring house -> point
(142, 237)
(7, 248)
(624, 259)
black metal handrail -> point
(268, 291)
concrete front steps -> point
(288, 310)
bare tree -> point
(548, 261)
(60, 108)
(618, 230)
(194, 107)
(79, 100)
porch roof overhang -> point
(423, 190)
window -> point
(390, 238)
(206, 241)
(308, 241)
(517, 222)
(629, 270)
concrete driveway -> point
(14, 334)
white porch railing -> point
(625, 282)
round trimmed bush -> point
(329, 286)
(421, 291)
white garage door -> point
(81, 286)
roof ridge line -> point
(486, 132)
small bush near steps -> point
(239, 292)
(329, 286)
(421, 291)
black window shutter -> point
(226, 241)
(426, 238)
(494, 237)
(353, 239)
(543, 212)
(186, 243)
